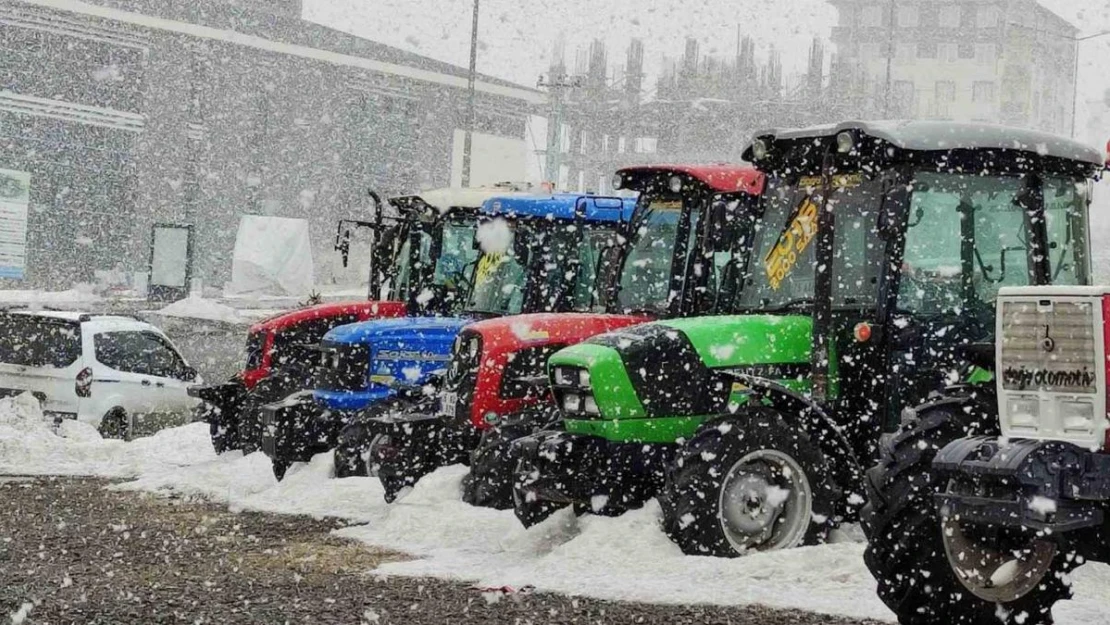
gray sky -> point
(517, 36)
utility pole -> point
(468, 141)
(557, 85)
(1075, 79)
(889, 62)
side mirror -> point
(343, 246)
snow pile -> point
(625, 558)
(29, 445)
(196, 307)
(78, 296)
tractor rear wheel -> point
(751, 482)
(910, 544)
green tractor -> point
(879, 255)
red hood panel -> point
(513, 333)
(364, 309)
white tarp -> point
(273, 256)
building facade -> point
(1002, 61)
(128, 113)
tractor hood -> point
(506, 334)
(672, 368)
(403, 329)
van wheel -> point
(115, 424)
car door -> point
(126, 367)
(172, 376)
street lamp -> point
(471, 79)
(1075, 77)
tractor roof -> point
(454, 197)
(720, 177)
(943, 136)
(564, 206)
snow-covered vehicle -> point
(116, 373)
(524, 251)
(880, 252)
(989, 495)
(412, 273)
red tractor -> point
(419, 262)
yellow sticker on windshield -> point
(665, 205)
(841, 181)
(487, 264)
(794, 240)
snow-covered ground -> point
(626, 558)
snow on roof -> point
(721, 177)
(457, 197)
(949, 135)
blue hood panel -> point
(403, 352)
(410, 328)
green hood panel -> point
(609, 381)
(748, 339)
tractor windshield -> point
(645, 283)
(435, 260)
(538, 265)
(784, 252)
(969, 235)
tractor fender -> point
(819, 425)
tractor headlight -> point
(845, 142)
(572, 403)
(618, 182)
(584, 378)
(759, 149)
(589, 406)
(675, 184)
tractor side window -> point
(457, 256)
(1065, 210)
(585, 295)
(931, 266)
(499, 274)
(784, 257)
(646, 280)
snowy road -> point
(76, 553)
(626, 559)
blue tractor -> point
(531, 254)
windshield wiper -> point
(800, 302)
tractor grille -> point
(343, 367)
(1048, 347)
(457, 399)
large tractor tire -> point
(274, 387)
(754, 481)
(907, 544)
(355, 439)
(489, 484)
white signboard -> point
(15, 195)
(169, 264)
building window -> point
(904, 97)
(950, 16)
(982, 91)
(873, 16)
(927, 50)
(986, 17)
(907, 17)
(985, 53)
(870, 51)
(946, 91)
(967, 51)
(949, 52)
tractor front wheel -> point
(932, 569)
(752, 482)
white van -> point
(119, 374)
